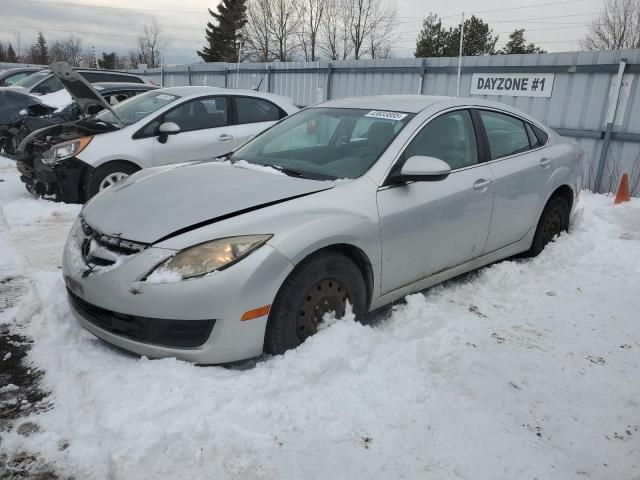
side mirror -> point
(421, 169)
(166, 129)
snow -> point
(525, 369)
(164, 275)
(250, 166)
(59, 100)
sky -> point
(552, 25)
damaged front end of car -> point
(46, 159)
(21, 114)
(47, 147)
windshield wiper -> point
(287, 171)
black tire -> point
(553, 221)
(102, 172)
(315, 286)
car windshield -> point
(136, 108)
(325, 143)
(31, 80)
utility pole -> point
(460, 55)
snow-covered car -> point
(356, 201)
(13, 75)
(22, 113)
(169, 125)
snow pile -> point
(59, 100)
(526, 369)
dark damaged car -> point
(22, 114)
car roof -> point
(20, 69)
(111, 86)
(203, 90)
(398, 103)
(417, 103)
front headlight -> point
(64, 150)
(210, 256)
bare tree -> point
(285, 21)
(335, 41)
(150, 45)
(360, 15)
(312, 12)
(381, 34)
(617, 27)
(68, 50)
(258, 36)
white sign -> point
(386, 115)
(513, 84)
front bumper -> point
(64, 180)
(130, 309)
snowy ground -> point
(526, 369)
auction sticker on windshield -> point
(164, 96)
(386, 115)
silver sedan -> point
(352, 202)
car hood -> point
(159, 203)
(14, 105)
(80, 90)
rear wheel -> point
(108, 174)
(553, 221)
(321, 284)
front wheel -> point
(321, 284)
(108, 174)
(553, 221)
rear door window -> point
(533, 140)
(255, 110)
(543, 137)
(507, 135)
(199, 114)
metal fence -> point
(595, 97)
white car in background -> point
(160, 127)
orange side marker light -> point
(255, 313)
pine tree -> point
(224, 37)
(433, 39)
(11, 54)
(41, 51)
(518, 44)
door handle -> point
(225, 137)
(545, 162)
(482, 183)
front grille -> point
(155, 331)
(104, 250)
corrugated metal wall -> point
(577, 107)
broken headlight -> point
(64, 150)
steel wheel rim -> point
(110, 179)
(552, 225)
(328, 295)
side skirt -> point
(479, 262)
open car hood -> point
(159, 203)
(14, 105)
(80, 90)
